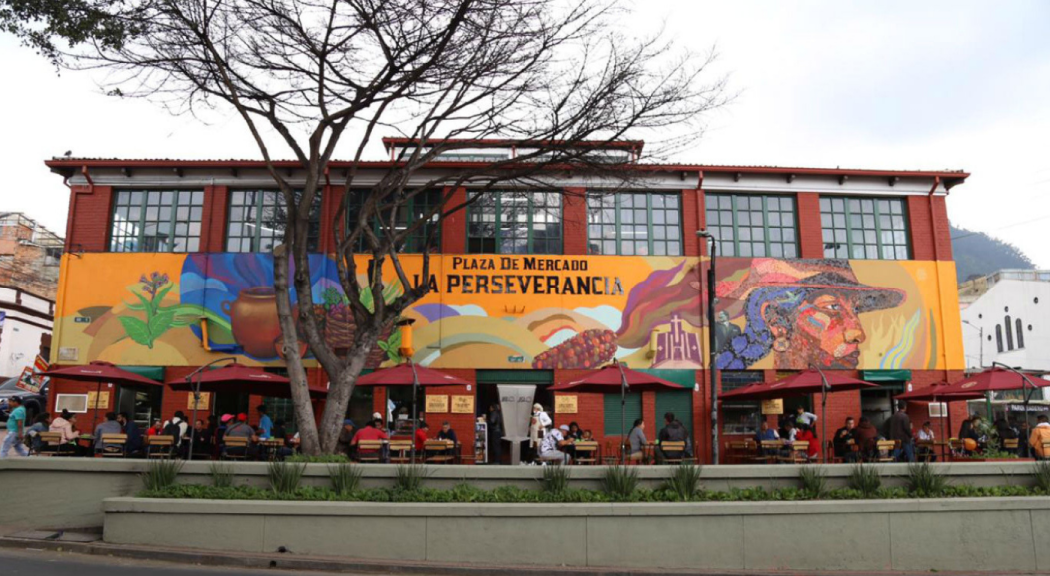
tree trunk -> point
(342, 387)
(304, 415)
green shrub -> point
(285, 476)
(345, 477)
(814, 483)
(319, 459)
(161, 473)
(410, 478)
(620, 482)
(221, 475)
(865, 480)
(684, 482)
(556, 479)
(924, 481)
(1042, 475)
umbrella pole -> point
(623, 415)
(415, 388)
(94, 417)
(196, 401)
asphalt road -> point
(44, 563)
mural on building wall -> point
(491, 311)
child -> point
(587, 436)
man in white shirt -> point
(550, 448)
(803, 417)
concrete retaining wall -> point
(68, 492)
(1002, 534)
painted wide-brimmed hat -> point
(836, 275)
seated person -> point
(421, 436)
(135, 442)
(40, 424)
(807, 434)
(637, 441)
(372, 431)
(346, 434)
(201, 443)
(843, 441)
(925, 438)
(240, 429)
(66, 424)
(765, 434)
(865, 435)
(156, 429)
(673, 431)
(588, 436)
(109, 426)
(447, 433)
(552, 448)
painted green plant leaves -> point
(158, 319)
(392, 346)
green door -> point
(632, 410)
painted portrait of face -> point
(824, 329)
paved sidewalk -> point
(289, 561)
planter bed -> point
(966, 534)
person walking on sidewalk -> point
(16, 426)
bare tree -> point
(558, 77)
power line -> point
(961, 236)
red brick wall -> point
(333, 196)
(810, 239)
(692, 220)
(87, 229)
(454, 229)
(213, 221)
(924, 233)
(574, 215)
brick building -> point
(849, 269)
(29, 255)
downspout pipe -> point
(937, 270)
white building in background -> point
(1006, 318)
(25, 329)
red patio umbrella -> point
(409, 374)
(99, 371)
(997, 378)
(239, 378)
(617, 377)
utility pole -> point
(712, 369)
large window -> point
(256, 221)
(753, 225)
(634, 224)
(740, 417)
(515, 223)
(412, 210)
(156, 221)
(864, 228)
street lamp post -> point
(712, 369)
(197, 397)
(980, 341)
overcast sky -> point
(900, 85)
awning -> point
(880, 376)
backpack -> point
(172, 429)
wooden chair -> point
(239, 444)
(369, 451)
(887, 446)
(401, 452)
(611, 453)
(678, 447)
(114, 445)
(1046, 448)
(736, 452)
(1011, 444)
(797, 454)
(270, 448)
(51, 445)
(586, 453)
(440, 451)
(159, 446)
(924, 450)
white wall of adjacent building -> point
(1015, 318)
(26, 319)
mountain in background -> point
(978, 254)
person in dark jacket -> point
(865, 435)
(673, 431)
(841, 441)
(900, 431)
(495, 434)
(135, 444)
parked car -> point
(34, 403)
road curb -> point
(289, 561)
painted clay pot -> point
(253, 320)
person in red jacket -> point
(421, 436)
(806, 433)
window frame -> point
(765, 223)
(876, 213)
(618, 224)
(354, 209)
(497, 237)
(172, 221)
(258, 205)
